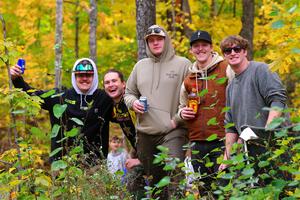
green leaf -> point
(55, 151)
(58, 110)
(37, 132)
(212, 137)
(275, 123)
(48, 94)
(157, 159)
(274, 13)
(248, 171)
(203, 92)
(75, 171)
(76, 150)
(295, 50)
(77, 121)
(16, 112)
(221, 80)
(225, 109)
(163, 182)
(72, 133)
(292, 9)
(163, 149)
(55, 130)
(212, 121)
(57, 95)
(229, 125)
(278, 24)
(58, 164)
(43, 180)
(263, 163)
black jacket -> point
(95, 129)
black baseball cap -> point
(200, 35)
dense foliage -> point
(31, 31)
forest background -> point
(30, 29)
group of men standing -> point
(167, 80)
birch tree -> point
(93, 30)
(58, 42)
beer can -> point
(21, 63)
(143, 100)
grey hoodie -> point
(159, 79)
(94, 83)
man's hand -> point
(131, 162)
(187, 113)
(15, 72)
(138, 107)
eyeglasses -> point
(236, 49)
(154, 30)
(81, 67)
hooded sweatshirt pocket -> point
(156, 121)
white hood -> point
(95, 79)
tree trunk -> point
(234, 8)
(93, 30)
(145, 17)
(213, 8)
(58, 42)
(76, 29)
(248, 25)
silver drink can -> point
(143, 100)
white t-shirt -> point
(116, 161)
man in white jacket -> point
(158, 78)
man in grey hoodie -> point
(209, 74)
(253, 88)
(158, 78)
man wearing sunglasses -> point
(79, 101)
(253, 88)
(209, 73)
(158, 78)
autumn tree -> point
(145, 17)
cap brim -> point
(205, 40)
(83, 72)
(162, 34)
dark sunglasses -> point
(236, 49)
(154, 30)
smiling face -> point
(156, 44)
(201, 50)
(114, 86)
(235, 56)
(84, 81)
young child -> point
(117, 156)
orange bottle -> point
(193, 100)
